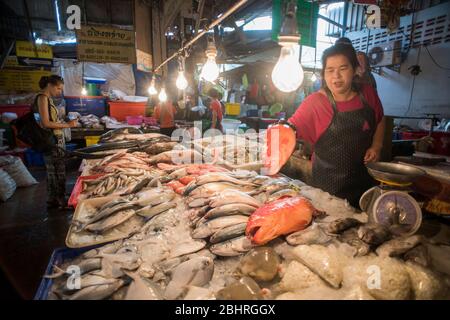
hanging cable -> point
(434, 61)
(413, 84)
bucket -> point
(229, 125)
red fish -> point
(176, 186)
(280, 140)
(280, 217)
(187, 179)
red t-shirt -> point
(314, 115)
(216, 107)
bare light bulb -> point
(152, 90)
(287, 75)
(84, 91)
(210, 71)
(181, 81)
(163, 95)
(313, 77)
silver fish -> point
(187, 247)
(200, 202)
(282, 194)
(157, 199)
(311, 235)
(109, 212)
(208, 228)
(221, 177)
(228, 233)
(234, 196)
(111, 222)
(230, 209)
(210, 189)
(88, 280)
(398, 246)
(142, 289)
(194, 272)
(85, 266)
(233, 247)
(99, 292)
(149, 212)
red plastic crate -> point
(78, 188)
(121, 109)
(19, 109)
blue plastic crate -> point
(71, 146)
(58, 257)
(34, 158)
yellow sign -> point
(27, 50)
(21, 80)
(99, 44)
(144, 61)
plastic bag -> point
(7, 186)
(20, 173)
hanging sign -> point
(21, 80)
(144, 61)
(106, 45)
(26, 49)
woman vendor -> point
(344, 122)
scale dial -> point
(398, 211)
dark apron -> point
(338, 166)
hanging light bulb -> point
(84, 91)
(181, 82)
(314, 77)
(163, 95)
(152, 89)
(287, 74)
(210, 71)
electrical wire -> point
(434, 61)
(413, 84)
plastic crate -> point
(233, 109)
(58, 257)
(91, 140)
(121, 109)
(135, 120)
(71, 146)
(34, 158)
(252, 113)
(86, 105)
(78, 188)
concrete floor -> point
(29, 233)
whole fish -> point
(228, 233)
(111, 222)
(230, 209)
(210, 189)
(374, 234)
(233, 247)
(99, 292)
(350, 237)
(234, 196)
(398, 246)
(142, 289)
(88, 280)
(282, 194)
(342, 224)
(86, 265)
(221, 177)
(195, 272)
(149, 211)
(311, 235)
(200, 202)
(209, 227)
(109, 211)
(155, 197)
(187, 247)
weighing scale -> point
(390, 203)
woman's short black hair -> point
(344, 40)
(53, 79)
(339, 49)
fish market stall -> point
(157, 228)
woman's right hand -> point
(73, 123)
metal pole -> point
(201, 34)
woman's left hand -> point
(372, 155)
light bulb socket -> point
(289, 34)
(211, 50)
